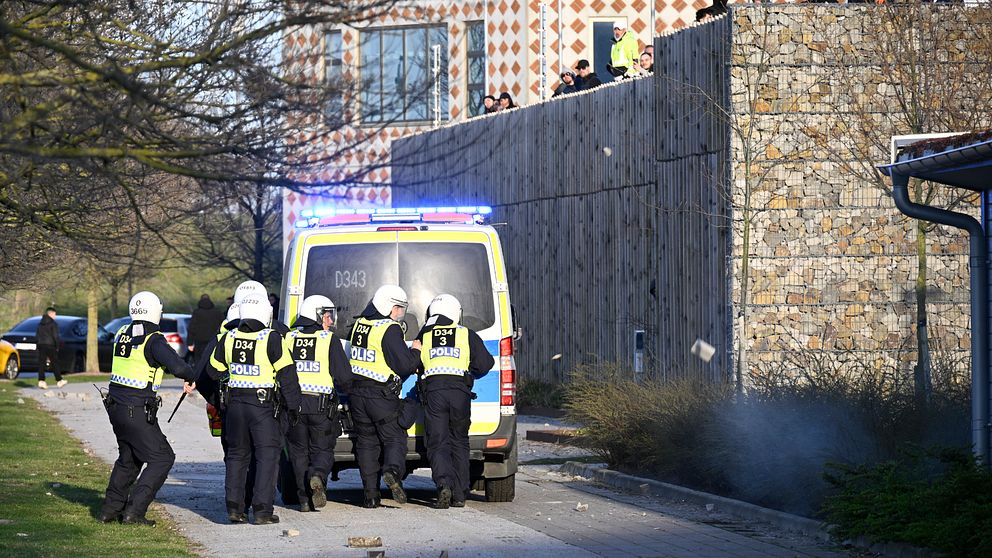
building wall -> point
(833, 261)
(648, 233)
(512, 65)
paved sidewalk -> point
(541, 522)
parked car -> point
(72, 353)
(10, 361)
(175, 327)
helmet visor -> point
(327, 311)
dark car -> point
(72, 352)
(175, 327)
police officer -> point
(452, 356)
(380, 361)
(256, 363)
(323, 369)
(141, 353)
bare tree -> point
(94, 96)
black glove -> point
(395, 385)
(294, 416)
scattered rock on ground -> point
(364, 542)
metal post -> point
(436, 69)
(544, 51)
(561, 38)
(638, 355)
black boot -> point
(107, 517)
(372, 499)
(264, 519)
(319, 492)
(236, 516)
(443, 498)
(393, 482)
(305, 505)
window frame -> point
(381, 94)
(475, 91)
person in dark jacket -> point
(47, 339)
(141, 355)
(380, 362)
(506, 101)
(585, 78)
(567, 84)
(452, 356)
(203, 326)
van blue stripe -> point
(486, 387)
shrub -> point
(653, 427)
(536, 393)
(938, 499)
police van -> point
(346, 254)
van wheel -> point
(501, 490)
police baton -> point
(181, 397)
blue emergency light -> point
(341, 215)
(333, 211)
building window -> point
(475, 32)
(333, 76)
(397, 82)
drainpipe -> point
(979, 305)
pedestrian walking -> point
(141, 355)
(452, 356)
(380, 362)
(203, 326)
(47, 340)
(323, 370)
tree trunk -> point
(92, 356)
(921, 373)
(114, 288)
(745, 285)
(921, 378)
(258, 219)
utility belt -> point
(326, 402)
(265, 396)
(150, 408)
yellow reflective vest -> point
(311, 352)
(247, 359)
(445, 351)
(130, 368)
(367, 358)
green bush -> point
(650, 427)
(938, 499)
(535, 393)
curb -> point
(743, 510)
(787, 521)
(560, 436)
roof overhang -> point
(967, 166)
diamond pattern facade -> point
(513, 64)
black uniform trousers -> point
(447, 418)
(250, 477)
(48, 362)
(139, 443)
(375, 415)
(253, 435)
(311, 444)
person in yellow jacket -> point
(625, 52)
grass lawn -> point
(79, 378)
(51, 490)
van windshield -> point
(349, 274)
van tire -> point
(501, 490)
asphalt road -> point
(541, 522)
